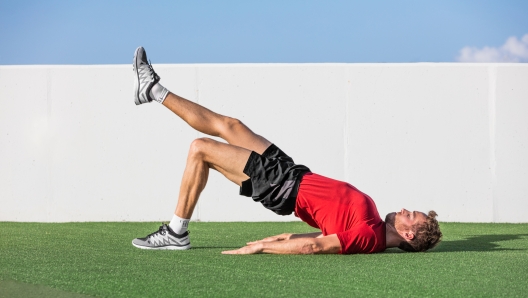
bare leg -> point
(204, 154)
(228, 159)
(208, 122)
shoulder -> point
(363, 239)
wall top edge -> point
(434, 64)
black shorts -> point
(273, 180)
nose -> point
(404, 210)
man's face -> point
(404, 220)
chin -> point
(390, 218)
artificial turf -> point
(97, 259)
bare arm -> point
(307, 235)
(288, 236)
(323, 245)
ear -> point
(408, 235)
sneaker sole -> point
(168, 247)
(136, 79)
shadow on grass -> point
(479, 243)
(473, 243)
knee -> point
(199, 147)
(233, 122)
(231, 125)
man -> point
(348, 219)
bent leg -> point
(208, 122)
(204, 154)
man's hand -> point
(324, 245)
(246, 250)
(280, 237)
(253, 247)
(288, 236)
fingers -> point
(268, 239)
(231, 252)
(246, 250)
(240, 251)
(257, 241)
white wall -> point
(448, 137)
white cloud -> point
(513, 50)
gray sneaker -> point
(144, 77)
(164, 238)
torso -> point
(337, 207)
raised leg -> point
(204, 154)
(206, 121)
(147, 89)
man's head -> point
(420, 231)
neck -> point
(392, 238)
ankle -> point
(179, 225)
(158, 93)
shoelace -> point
(161, 230)
(152, 73)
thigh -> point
(238, 134)
(227, 159)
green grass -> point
(97, 259)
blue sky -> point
(107, 32)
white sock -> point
(179, 225)
(158, 93)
